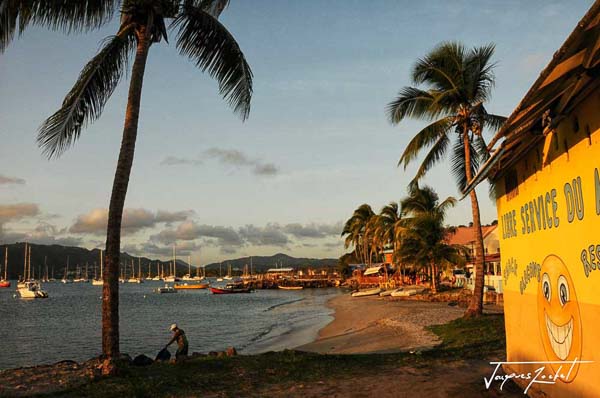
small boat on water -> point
(190, 286)
(231, 288)
(32, 289)
(166, 289)
(369, 292)
(290, 287)
(4, 283)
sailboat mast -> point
(29, 263)
(6, 263)
(25, 263)
(46, 266)
(174, 261)
(190, 266)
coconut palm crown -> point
(455, 83)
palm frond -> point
(63, 15)
(458, 162)
(214, 7)
(424, 139)
(442, 68)
(412, 102)
(85, 102)
(493, 122)
(203, 39)
(479, 76)
(436, 153)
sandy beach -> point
(379, 325)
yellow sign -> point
(549, 215)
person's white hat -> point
(173, 327)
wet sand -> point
(375, 324)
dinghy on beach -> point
(364, 293)
(389, 292)
(404, 293)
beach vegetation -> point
(452, 86)
(423, 238)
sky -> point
(317, 143)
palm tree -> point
(199, 37)
(389, 226)
(424, 238)
(457, 82)
(358, 229)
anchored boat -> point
(166, 289)
(191, 286)
(231, 288)
(32, 289)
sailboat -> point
(133, 279)
(100, 282)
(65, 278)
(228, 277)
(188, 276)
(32, 289)
(157, 277)
(220, 278)
(4, 282)
(173, 276)
(29, 288)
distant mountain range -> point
(54, 257)
(263, 263)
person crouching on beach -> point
(182, 342)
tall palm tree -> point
(357, 231)
(424, 238)
(456, 84)
(389, 226)
(199, 37)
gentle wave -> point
(284, 303)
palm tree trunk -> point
(476, 305)
(433, 278)
(110, 291)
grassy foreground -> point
(476, 339)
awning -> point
(372, 270)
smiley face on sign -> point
(558, 315)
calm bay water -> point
(68, 324)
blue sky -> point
(317, 143)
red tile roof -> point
(465, 235)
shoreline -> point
(377, 325)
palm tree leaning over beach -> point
(423, 238)
(199, 37)
(457, 84)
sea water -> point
(67, 325)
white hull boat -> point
(364, 293)
(404, 293)
(32, 290)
